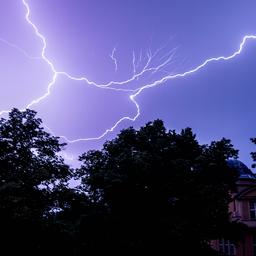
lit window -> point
(252, 210)
(226, 248)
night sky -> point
(132, 43)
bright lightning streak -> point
(163, 80)
(133, 62)
(112, 56)
(110, 129)
(43, 56)
(147, 68)
(206, 62)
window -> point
(226, 248)
(252, 205)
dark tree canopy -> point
(147, 191)
(30, 173)
(28, 151)
(253, 154)
(162, 189)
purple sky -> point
(113, 40)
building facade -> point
(243, 209)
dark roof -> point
(244, 171)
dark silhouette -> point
(146, 191)
(30, 174)
(253, 154)
(162, 190)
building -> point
(243, 209)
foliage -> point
(253, 154)
(162, 189)
(147, 191)
(31, 173)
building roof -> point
(244, 171)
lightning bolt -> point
(112, 56)
(147, 68)
(19, 49)
(163, 80)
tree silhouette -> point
(162, 191)
(147, 191)
(253, 154)
(31, 173)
